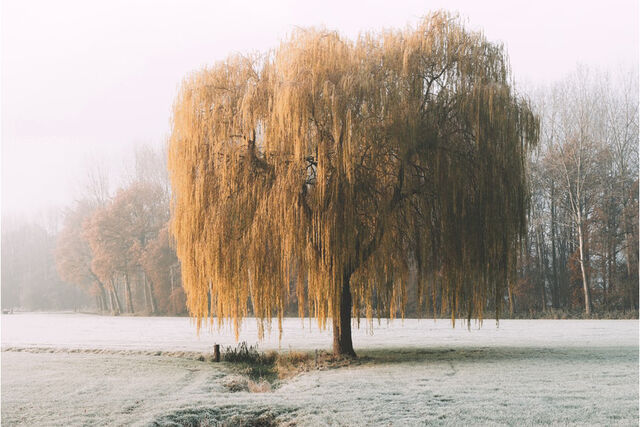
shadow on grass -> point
(488, 354)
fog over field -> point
(83, 82)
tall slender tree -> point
(574, 156)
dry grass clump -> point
(243, 353)
(261, 386)
(291, 363)
(255, 365)
(236, 383)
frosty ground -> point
(72, 369)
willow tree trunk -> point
(342, 344)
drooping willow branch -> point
(328, 160)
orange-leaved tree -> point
(160, 264)
(74, 257)
(119, 234)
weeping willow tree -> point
(344, 167)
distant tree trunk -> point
(342, 344)
(127, 293)
(631, 252)
(173, 275)
(555, 288)
(585, 282)
(102, 297)
(149, 292)
(116, 308)
(542, 267)
(527, 271)
(587, 261)
(607, 273)
(510, 296)
(568, 276)
(605, 281)
(630, 249)
(563, 281)
(146, 297)
(110, 301)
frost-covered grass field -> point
(73, 369)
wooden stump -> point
(216, 352)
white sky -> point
(85, 81)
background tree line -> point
(581, 251)
(111, 252)
(114, 249)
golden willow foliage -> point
(344, 165)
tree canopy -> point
(347, 166)
(119, 235)
(73, 254)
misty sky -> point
(85, 81)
